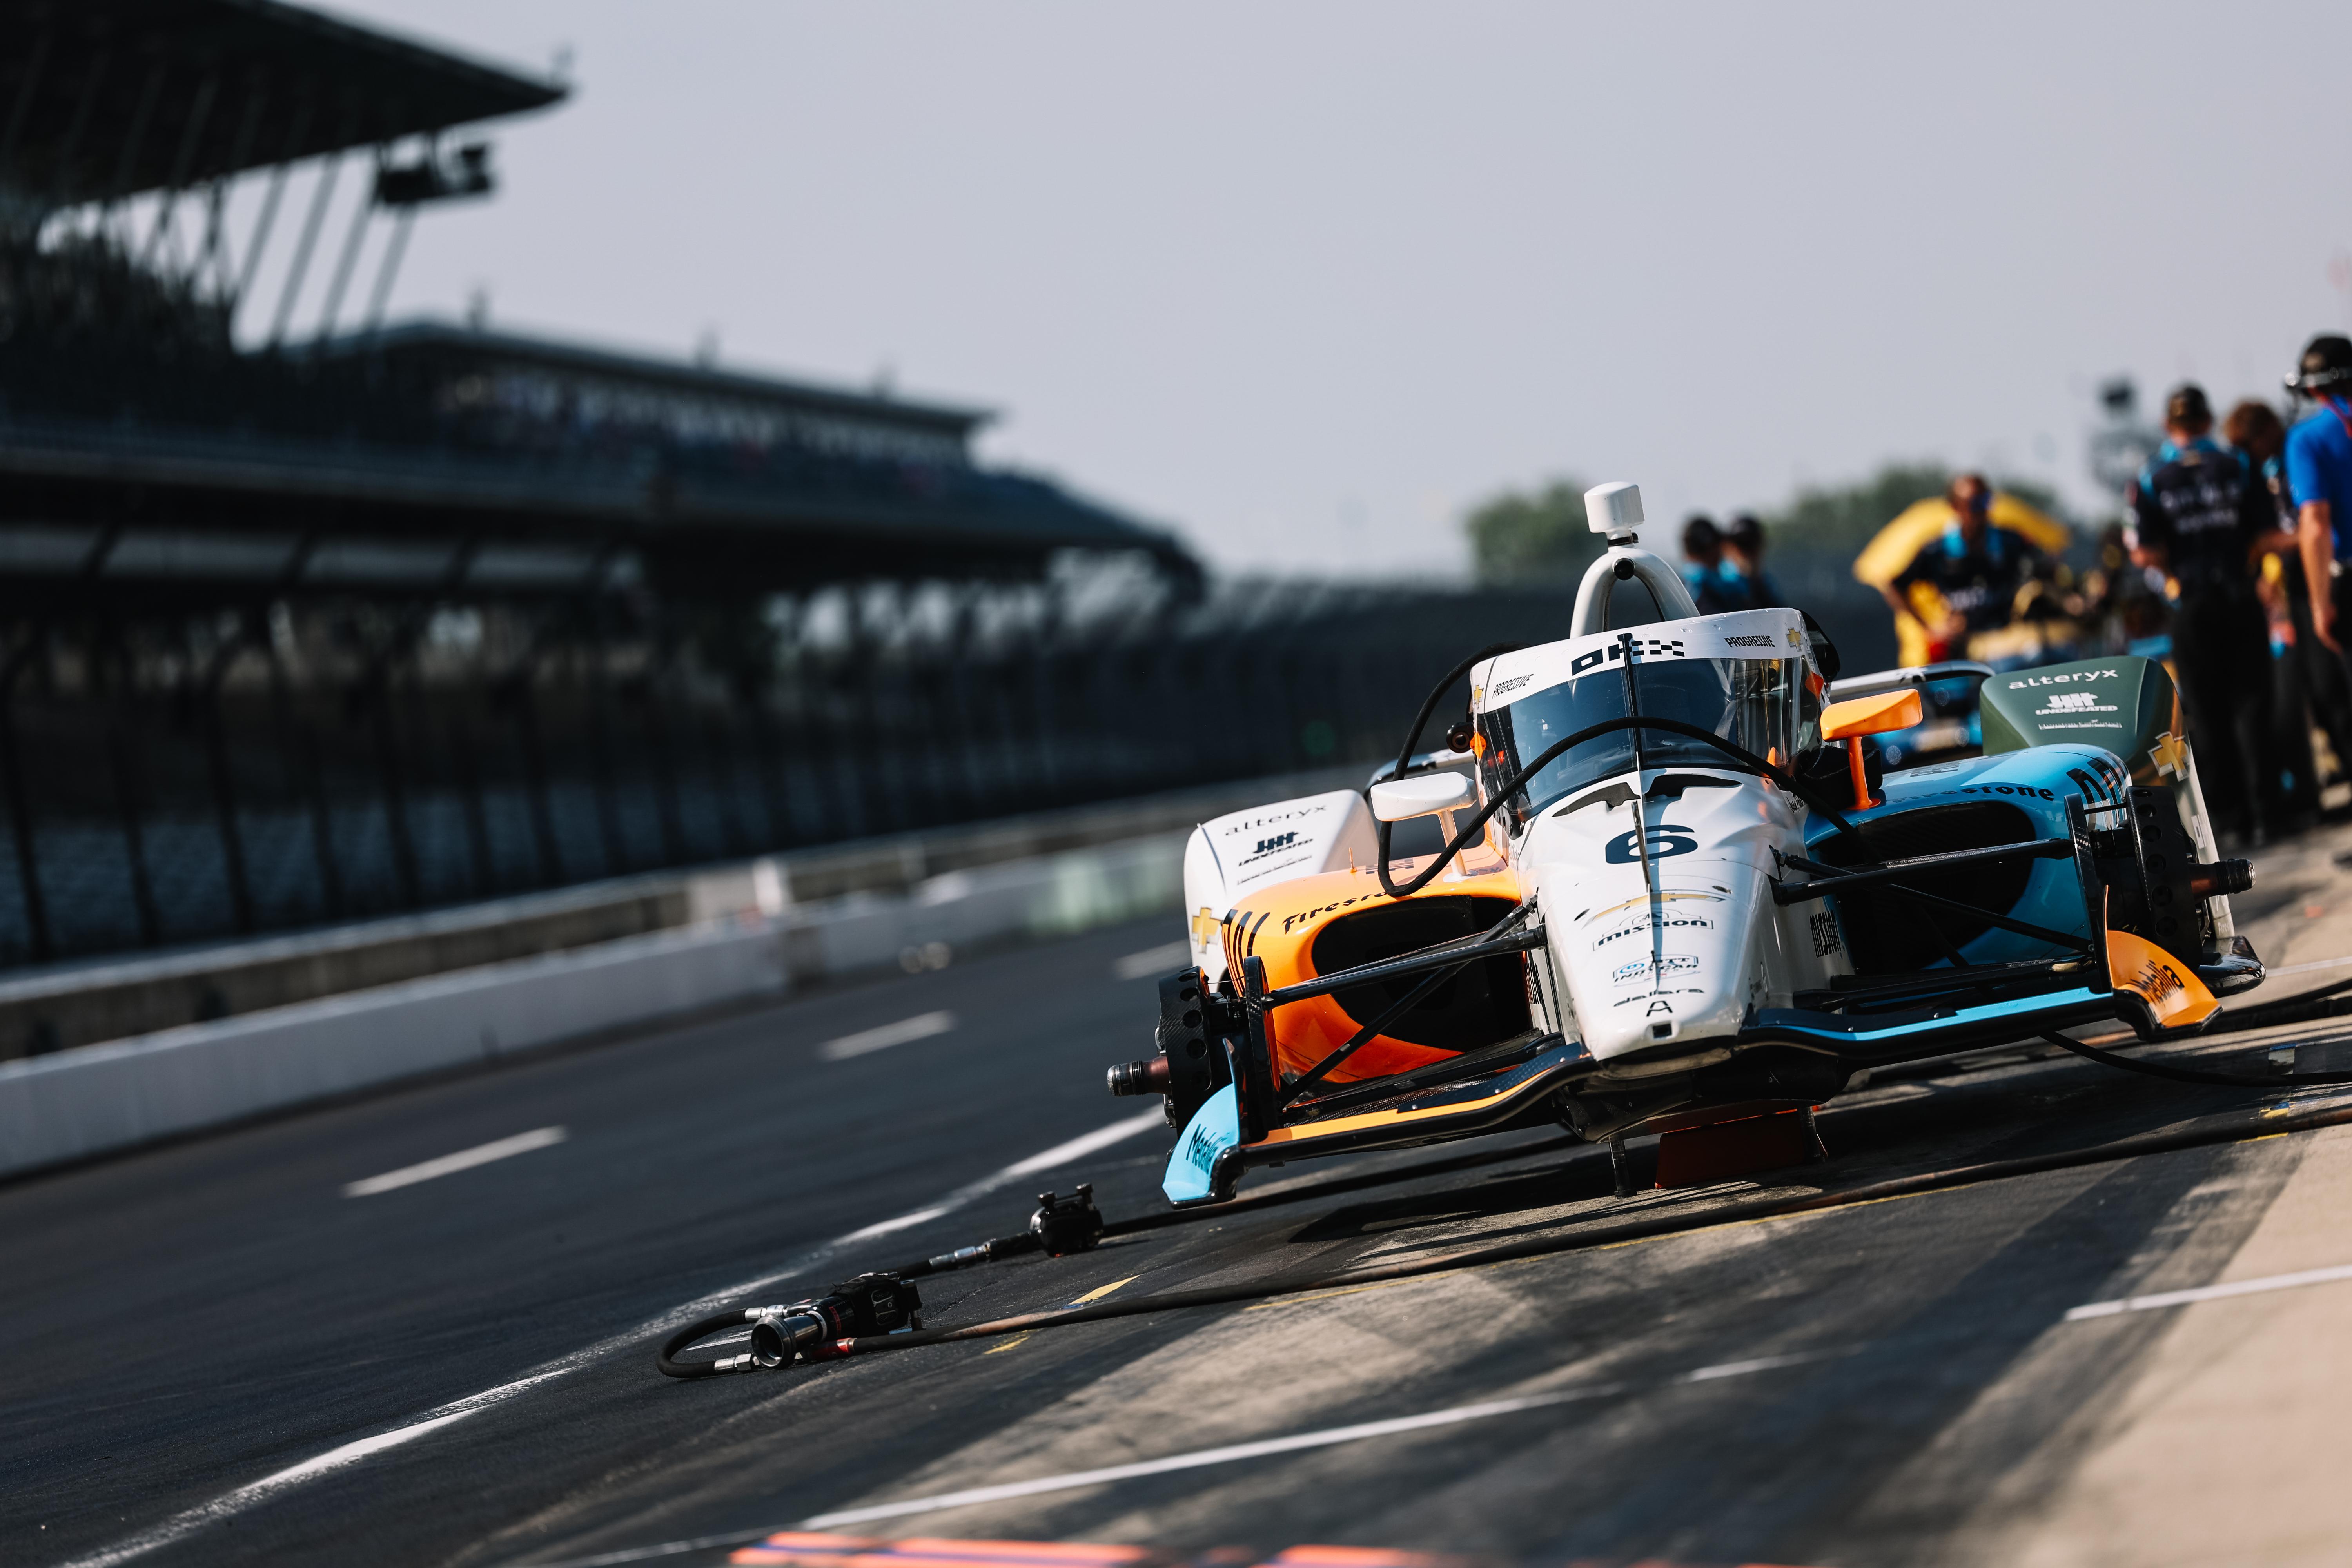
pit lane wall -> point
(91, 1100)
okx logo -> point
(1664, 839)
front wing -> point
(2145, 986)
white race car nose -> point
(1666, 952)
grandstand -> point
(300, 622)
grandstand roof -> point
(103, 98)
(448, 350)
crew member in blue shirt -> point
(1702, 566)
(2319, 474)
(2197, 514)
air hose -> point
(877, 1304)
(1600, 1236)
(2325, 1002)
(815, 1330)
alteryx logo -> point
(2066, 679)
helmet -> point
(2327, 364)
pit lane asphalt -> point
(187, 1321)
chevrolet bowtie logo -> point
(2170, 756)
(1205, 928)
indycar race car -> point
(1657, 881)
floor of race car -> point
(216, 1355)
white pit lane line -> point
(1200, 1458)
(463, 1160)
(181, 1525)
(921, 1026)
(1152, 960)
(2209, 1293)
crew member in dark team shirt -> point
(2197, 514)
(1977, 568)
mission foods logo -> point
(1642, 924)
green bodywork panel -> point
(2123, 703)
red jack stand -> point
(1696, 1155)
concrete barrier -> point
(97, 1099)
(142, 994)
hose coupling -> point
(2221, 877)
(815, 1330)
(1065, 1225)
(781, 1340)
(1140, 1078)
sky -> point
(1307, 281)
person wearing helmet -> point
(2196, 515)
(2319, 473)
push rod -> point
(1323, 985)
(1821, 887)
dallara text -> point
(1657, 879)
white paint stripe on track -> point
(921, 1026)
(463, 1160)
(1151, 961)
(2211, 1293)
(1203, 1456)
(1080, 1147)
(2315, 964)
(180, 1526)
(904, 1222)
(1200, 1458)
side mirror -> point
(1874, 715)
(1855, 717)
(1393, 800)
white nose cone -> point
(1613, 507)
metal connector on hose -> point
(1140, 1078)
(2222, 877)
(781, 1340)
